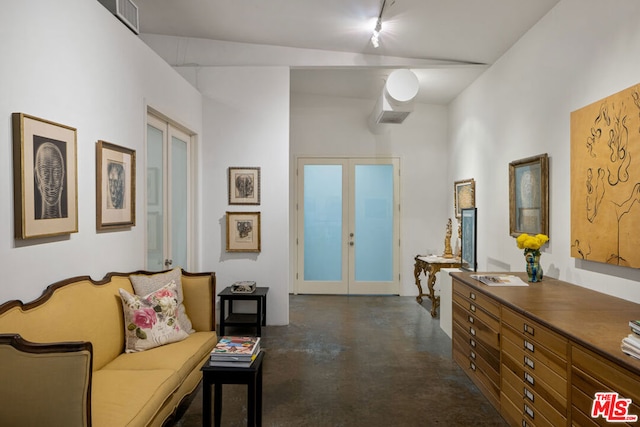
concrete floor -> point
(357, 361)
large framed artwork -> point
(464, 195)
(115, 186)
(243, 231)
(529, 196)
(605, 180)
(468, 239)
(45, 187)
(244, 186)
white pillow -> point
(145, 284)
(151, 321)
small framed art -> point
(115, 186)
(243, 231)
(468, 238)
(45, 181)
(529, 196)
(464, 195)
(244, 186)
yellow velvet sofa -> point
(63, 359)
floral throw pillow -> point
(145, 284)
(151, 320)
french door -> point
(348, 226)
(168, 195)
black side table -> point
(218, 375)
(257, 319)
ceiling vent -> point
(396, 102)
(126, 11)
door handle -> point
(168, 262)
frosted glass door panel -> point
(179, 203)
(155, 194)
(373, 238)
(323, 222)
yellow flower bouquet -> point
(531, 243)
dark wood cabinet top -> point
(592, 319)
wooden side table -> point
(257, 319)
(431, 265)
(219, 375)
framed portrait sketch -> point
(464, 195)
(529, 196)
(468, 238)
(45, 182)
(243, 231)
(115, 186)
(244, 186)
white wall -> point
(337, 127)
(74, 63)
(582, 51)
(246, 120)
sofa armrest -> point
(45, 384)
(199, 291)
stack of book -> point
(235, 352)
(631, 344)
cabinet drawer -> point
(557, 399)
(476, 327)
(490, 390)
(482, 300)
(474, 349)
(519, 391)
(477, 311)
(537, 357)
(620, 380)
(533, 330)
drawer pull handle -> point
(471, 319)
(529, 411)
(528, 394)
(528, 378)
(524, 423)
(530, 363)
(529, 346)
(472, 307)
(472, 331)
(472, 295)
(472, 354)
(529, 329)
(472, 366)
(472, 342)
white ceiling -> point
(465, 32)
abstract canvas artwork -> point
(605, 180)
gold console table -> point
(430, 265)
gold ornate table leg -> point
(435, 300)
(417, 269)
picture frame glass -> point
(115, 186)
(468, 239)
(45, 177)
(464, 195)
(243, 232)
(528, 196)
(244, 185)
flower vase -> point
(534, 270)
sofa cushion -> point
(145, 284)
(183, 356)
(150, 320)
(130, 398)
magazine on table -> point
(499, 279)
(236, 349)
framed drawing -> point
(244, 186)
(115, 186)
(464, 195)
(468, 238)
(529, 196)
(45, 182)
(243, 231)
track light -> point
(375, 37)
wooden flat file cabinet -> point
(540, 353)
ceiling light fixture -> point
(375, 37)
